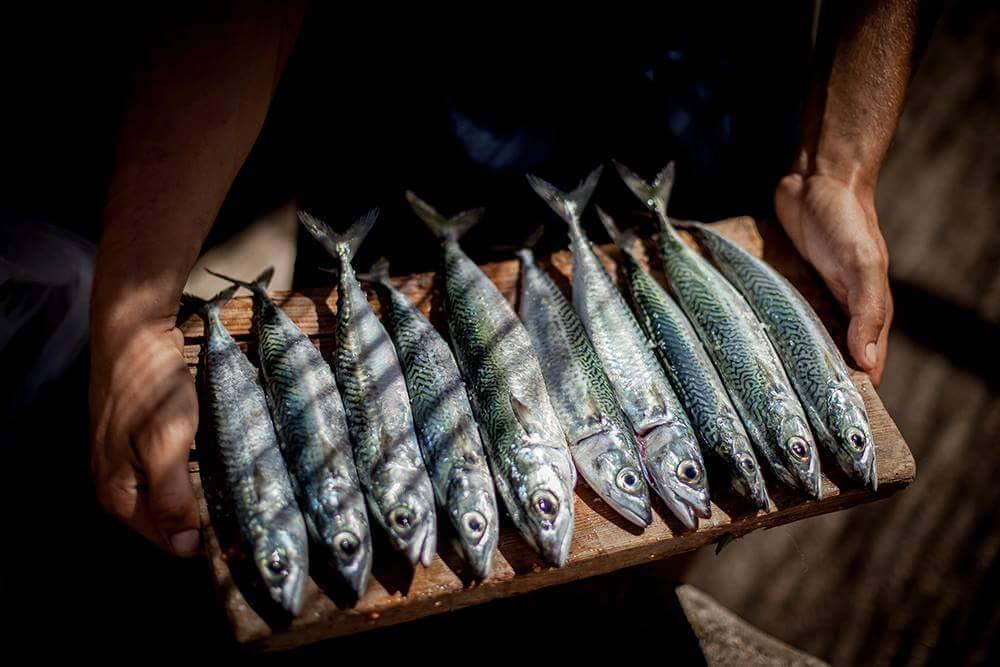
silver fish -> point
(691, 372)
(667, 443)
(600, 437)
(245, 446)
(814, 364)
(309, 417)
(735, 340)
(527, 449)
(448, 433)
(386, 452)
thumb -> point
(867, 305)
(163, 445)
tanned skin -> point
(191, 123)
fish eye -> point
(545, 505)
(276, 562)
(346, 544)
(628, 480)
(474, 524)
(748, 465)
(401, 519)
(856, 438)
(799, 448)
(689, 471)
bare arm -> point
(827, 202)
(194, 115)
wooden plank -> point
(602, 541)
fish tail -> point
(335, 243)
(446, 229)
(378, 273)
(191, 304)
(259, 283)
(655, 195)
(570, 205)
(625, 240)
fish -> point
(691, 372)
(386, 452)
(446, 428)
(672, 461)
(528, 453)
(734, 338)
(245, 447)
(812, 360)
(600, 438)
(309, 417)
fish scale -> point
(672, 459)
(448, 433)
(309, 417)
(527, 450)
(813, 361)
(691, 372)
(245, 446)
(738, 346)
(601, 440)
(376, 404)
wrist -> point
(851, 172)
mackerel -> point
(309, 417)
(386, 453)
(447, 431)
(671, 458)
(527, 449)
(691, 372)
(737, 344)
(812, 360)
(245, 448)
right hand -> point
(144, 415)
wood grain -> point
(602, 542)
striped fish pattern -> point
(309, 417)
(379, 420)
(814, 364)
(671, 457)
(528, 454)
(734, 339)
(691, 372)
(446, 428)
(600, 438)
(245, 449)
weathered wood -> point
(602, 542)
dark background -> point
(908, 581)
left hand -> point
(834, 226)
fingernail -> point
(185, 543)
(871, 353)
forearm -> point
(193, 117)
(858, 92)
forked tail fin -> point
(626, 240)
(446, 229)
(333, 241)
(570, 205)
(259, 284)
(191, 304)
(378, 273)
(655, 195)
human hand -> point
(834, 226)
(144, 415)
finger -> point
(162, 445)
(883, 341)
(121, 497)
(868, 306)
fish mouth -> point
(356, 574)
(865, 471)
(420, 547)
(555, 548)
(759, 498)
(810, 481)
(640, 515)
(291, 593)
(480, 558)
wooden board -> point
(602, 541)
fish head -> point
(351, 548)
(798, 452)
(549, 513)
(412, 526)
(608, 463)
(283, 566)
(675, 466)
(745, 473)
(855, 447)
(473, 509)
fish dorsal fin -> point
(569, 206)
